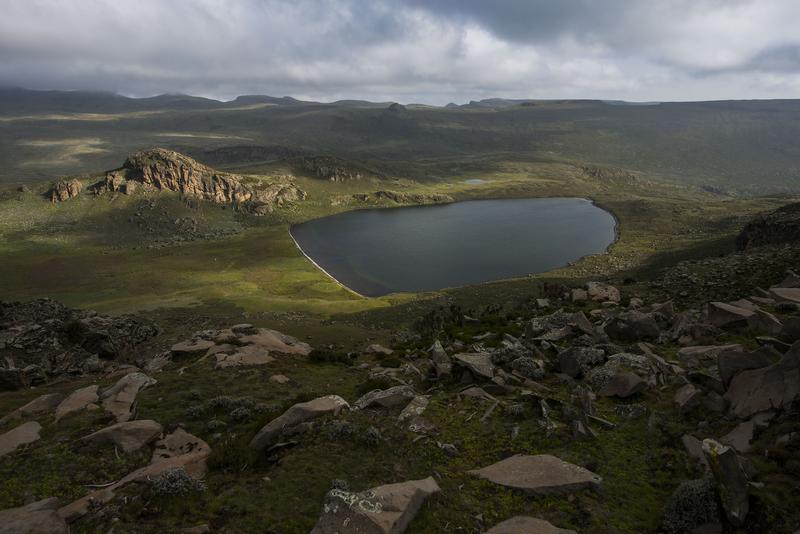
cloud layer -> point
(432, 51)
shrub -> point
(215, 425)
(372, 436)
(176, 482)
(693, 503)
(340, 429)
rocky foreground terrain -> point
(588, 409)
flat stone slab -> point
(773, 387)
(299, 413)
(385, 398)
(77, 401)
(479, 363)
(247, 356)
(387, 509)
(541, 474)
(527, 525)
(40, 517)
(786, 294)
(118, 399)
(39, 405)
(189, 349)
(22, 435)
(274, 341)
(130, 436)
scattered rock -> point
(479, 364)
(191, 349)
(299, 413)
(385, 509)
(40, 405)
(378, 349)
(730, 363)
(623, 385)
(118, 400)
(601, 292)
(527, 525)
(40, 517)
(541, 474)
(130, 436)
(727, 316)
(731, 479)
(633, 326)
(77, 401)
(280, 379)
(385, 398)
(773, 387)
(687, 398)
(577, 361)
(415, 408)
(64, 190)
(24, 434)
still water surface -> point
(379, 251)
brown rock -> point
(77, 401)
(65, 190)
(17, 437)
(190, 349)
(478, 363)
(687, 398)
(40, 405)
(130, 436)
(623, 385)
(724, 315)
(541, 474)
(118, 400)
(299, 413)
(247, 356)
(385, 509)
(40, 517)
(527, 525)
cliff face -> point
(780, 226)
(168, 170)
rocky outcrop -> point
(162, 169)
(330, 168)
(780, 226)
(43, 339)
(64, 190)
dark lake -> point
(380, 251)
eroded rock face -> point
(169, 170)
(64, 190)
(387, 509)
(541, 474)
(299, 413)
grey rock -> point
(730, 362)
(576, 361)
(385, 398)
(731, 479)
(15, 438)
(478, 363)
(623, 385)
(633, 326)
(40, 517)
(687, 398)
(527, 525)
(130, 436)
(299, 413)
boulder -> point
(704, 355)
(40, 517)
(773, 387)
(299, 413)
(623, 385)
(731, 479)
(275, 341)
(541, 474)
(247, 356)
(387, 509)
(694, 448)
(731, 362)
(786, 294)
(633, 326)
(17, 437)
(687, 398)
(527, 525)
(728, 316)
(77, 401)
(578, 295)
(118, 400)
(478, 363)
(280, 379)
(415, 408)
(385, 398)
(378, 349)
(179, 450)
(40, 405)
(190, 349)
(764, 322)
(601, 292)
(130, 436)
(577, 361)
(741, 437)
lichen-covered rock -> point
(387, 509)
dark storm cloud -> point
(406, 50)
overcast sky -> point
(431, 51)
